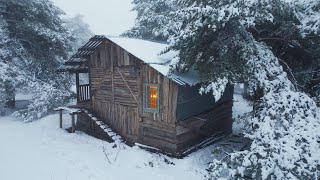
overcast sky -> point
(108, 17)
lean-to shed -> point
(132, 90)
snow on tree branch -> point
(285, 142)
(217, 88)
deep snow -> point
(40, 150)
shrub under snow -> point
(46, 97)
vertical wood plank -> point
(141, 92)
(159, 96)
(126, 58)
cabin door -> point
(126, 121)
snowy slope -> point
(41, 151)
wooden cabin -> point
(132, 89)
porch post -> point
(60, 115)
(77, 86)
(73, 128)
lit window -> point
(152, 98)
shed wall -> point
(118, 95)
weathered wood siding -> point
(159, 129)
(117, 85)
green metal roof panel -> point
(191, 103)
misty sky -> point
(108, 17)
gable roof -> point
(147, 51)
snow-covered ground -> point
(41, 151)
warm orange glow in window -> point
(153, 97)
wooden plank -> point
(171, 147)
(141, 93)
(165, 99)
(159, 125)
(112, 74)
(159, 114)
(127, 86)
(104, 55)
(126, 58)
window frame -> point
(146, 96)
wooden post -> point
(60, 113)
(73, 123)
(77, 86)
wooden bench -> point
(72, 112)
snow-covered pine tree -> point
(285, 143)
(216, 38)
(298, 52)
(78, 30)
(8, 71)
(37, 26)
(37, 43)
(154, 19)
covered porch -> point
(78, 64)
(78, 67)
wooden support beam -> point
(73, 129)
(77, 86)
(60, 115)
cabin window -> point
(152, 98)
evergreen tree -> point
(37, 26)
(213, 36)
(78, 30)
(34, 42)
(229, 41)
(154, 19)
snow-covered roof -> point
(147, 51)
(150, 53)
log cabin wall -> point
(159, 129)
(118, 95)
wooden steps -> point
(94, 126)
